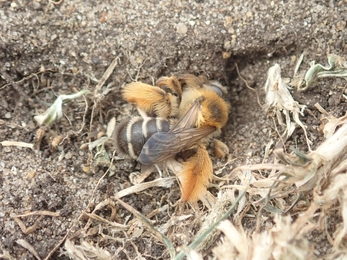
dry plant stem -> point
(29, 247)
(255, 167)
(267, 199)
(114, 224)
(330, 239)
(59, 243)
(136, 249)
(40, 212)
(102, 204)
(98, 87)
(84, 115)
(246, 83)
(321, 109)
(298, 64)
(340, 168)
(301, 224)
(238, 221)
(156, 211)
(30, 229)
(98, 183)
(107, 73)
(163, 182)
(198, 240)
(151, 228)
(80, 216)
(18, 144)
(22, 80)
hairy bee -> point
(200, 112)
(132, 133)
(162, 100)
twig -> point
(114, 224)
(198, 240)
(30, 229)
(162, 182)
(59, 243)
(39, 212)
(101, 82)
(245, 81)
(107, 73)
(18, 144)
(149, 225)
(22, 80)
(29, 247)
(80, 216)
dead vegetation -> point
(286, 198)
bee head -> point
(216, 87)
(214, 110)
(191, 81)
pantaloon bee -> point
(162, 100)
(132, 133)
(200, 112)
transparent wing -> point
(161, 146)
(188, 120)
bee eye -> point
(217, 89)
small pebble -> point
(8, 115)
(181, 28)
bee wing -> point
(188, 120)
(163, 145)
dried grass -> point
(287, 199)
(317, 178)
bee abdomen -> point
(132, 133)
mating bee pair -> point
(179, 116)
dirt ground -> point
(49, 48)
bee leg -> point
(159, 171)
(221, 150)
(196, 175)
(151, 99)
(170, 85)
(146, 170)
(139, 177)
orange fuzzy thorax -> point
(196, 175)
(214, 110)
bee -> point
(132, 133)
(197, 112)
(156, 101)
(156, 104)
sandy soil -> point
(49, 48)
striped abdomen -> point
(132, 133)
